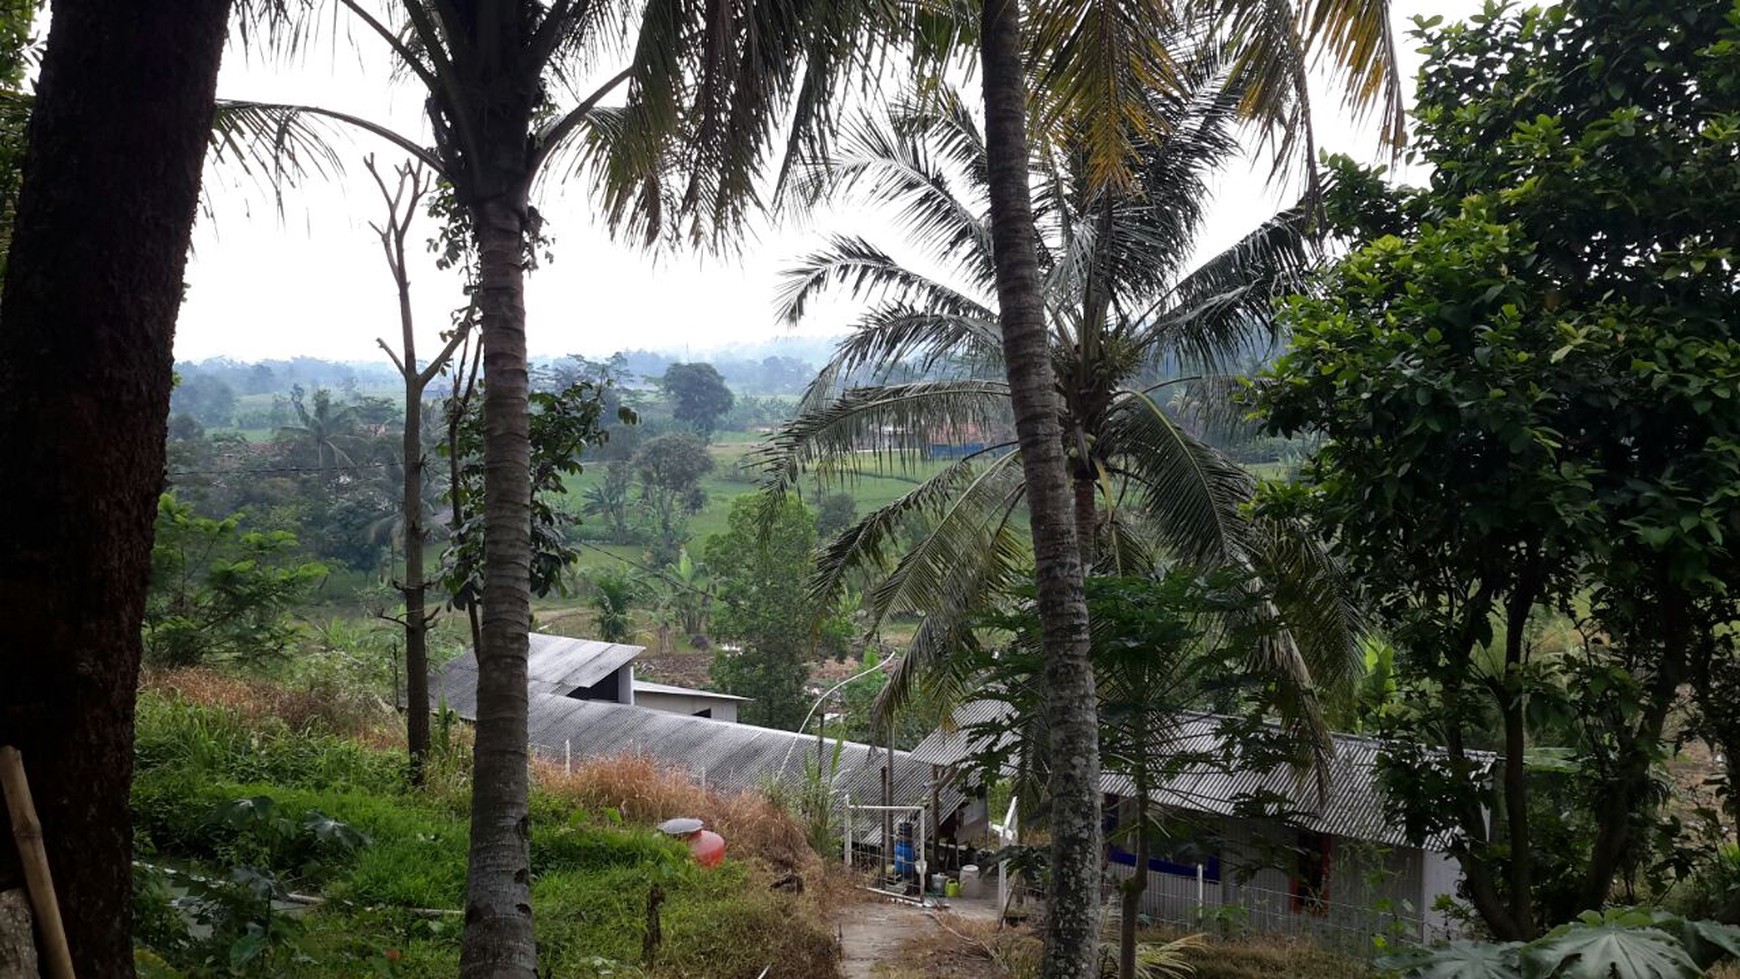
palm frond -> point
(280, 146)
(1096, 61)
(868, 545)
(1226, 306)
(891, 422)
(868, 272)
(972, 533)
(1193, 495)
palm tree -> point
(707, 85)
(1112, 301)
(93, 285)
(1096, 60)
(327, 427)
(1144, 486)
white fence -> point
(1190, 902)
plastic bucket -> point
(970, 881)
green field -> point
(882, 481)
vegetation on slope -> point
(244, 794)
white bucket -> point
(969, 882)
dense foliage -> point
(1526, 376)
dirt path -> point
(873, 932)
(895, 935)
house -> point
(1252, 845)
(584, 669)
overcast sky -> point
(313, 281)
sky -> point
(307, 277)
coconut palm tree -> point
(1095, 61)
(706, 87)
(1144, 487)
(1115, 302)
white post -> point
(1199, 892)
(703, 778)
(847, 856)
(568, 756)
(919, 863)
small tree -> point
(612, 594)
(402, 200)
(671, 468)
(220, 593)
(762, 565)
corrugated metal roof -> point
(1354, 809)
(731, 757)
(554, 664)
(651, 687)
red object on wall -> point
(707, 847)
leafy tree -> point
(763, 605)
(205, 398)
(219, 593)
(1163, 646)
(94, 278)
(1524, 378)
(699, 394)
(671, 468)
(835, 513)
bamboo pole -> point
(27, 831)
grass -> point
(390, 907)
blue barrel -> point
(903, 857)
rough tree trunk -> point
(498, 897)
(1072, 914)
(93, 287)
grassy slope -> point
(593, 868)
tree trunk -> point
(1086, 516)
(1072, 914)
(498, 899)
(1516, 803)
(415, 588)
(93, 287)
(1133, 888)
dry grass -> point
(977, 948)
(323, 707)
(644, 791)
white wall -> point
(723, 710)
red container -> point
(707, 847)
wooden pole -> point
(27, 831)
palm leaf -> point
(894, 421)
(1193, 495)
